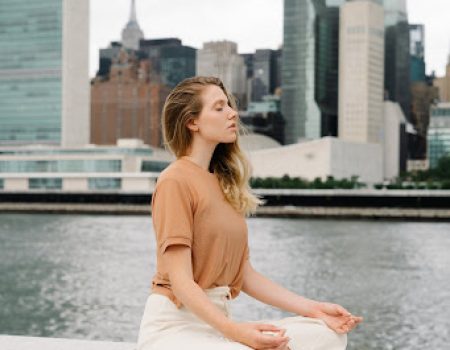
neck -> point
(201, 152)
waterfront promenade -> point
(362, 203)
(8, 342)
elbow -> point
(179, 282)
(248, 279)
(178, 262)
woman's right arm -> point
(178, 261)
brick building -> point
(127, 103)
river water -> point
(88, 276)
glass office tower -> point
(298, 106)
(310, 68)
(417, 52)
(327, 64)
(30, 71)
(36, 37)
(397, 57)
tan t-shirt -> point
(189, 208)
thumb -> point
(341, 310)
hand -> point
(336, 317)
(251, 334)
(283, 345)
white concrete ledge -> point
(10, 342)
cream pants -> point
(164, 327)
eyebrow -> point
(220, 101)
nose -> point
(233, 114)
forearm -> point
(195, 299)
(263, 289)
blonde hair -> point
(228, 161)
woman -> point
(198, 210)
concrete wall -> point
(75, 184)
(328, 156)
(15, 184)
(307, 160)
(75, 80)
(354, 159)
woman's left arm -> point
(263, 289)
(268, 292)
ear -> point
(192, 124)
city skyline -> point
(264, 29)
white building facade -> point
(221, 59)
(361, 72)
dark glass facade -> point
(176, 63)
(106, 58)
(264, 74)
(417, 52)
(327, 67)
(309, 72)
(265, 118)
(30, 71)
(170, 60)
(397, 55)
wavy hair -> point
(228, 160)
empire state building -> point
(132, 33)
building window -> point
(153, 166)
(2, 184)
(45, 183)
(104, 183)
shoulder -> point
(176, 180)
(174, 173)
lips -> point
(232, 126)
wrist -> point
(228, 329)
(313, 309)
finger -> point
(283, 345)
(358, 319)
(271, 341)
(268, 327)
(342, 310)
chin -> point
(229, 140)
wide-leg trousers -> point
(164, 327)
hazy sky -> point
(251, 23)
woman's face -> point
(217, 122)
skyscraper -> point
(417, 52)
(327, 64)
(170, 60)
(310, 68)
(443, 84)
(132, 33)
(361, 52)
(128, 104)
(423, 94)
(264, 79)
(44, 72)
(397, 57)
(221, 59)
(298, 106)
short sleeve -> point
(172, 214)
